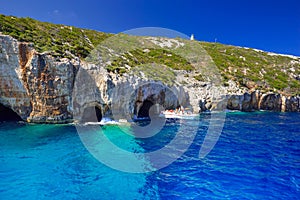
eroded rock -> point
(42, 88)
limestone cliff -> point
(36, 86)
(258, 101)
(46, 89)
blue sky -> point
(269, 25)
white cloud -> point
(62, 15)
(55, 12)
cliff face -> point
(13, 93)
(257, 101)
(121, 97)
(35, 86)
(42, 88)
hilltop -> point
(61, 40)
(249, 68)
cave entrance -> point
(91, 114)
(145, 108)
(148, 109)
(7, 114)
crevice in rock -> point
(25, 56)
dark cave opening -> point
(144, 110)
(91, 114)
(7, 114)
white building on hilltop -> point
(192, 37)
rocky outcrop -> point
(13, 92)
(50, 84)
(292, 104)
(39, 87)
(36, 86)
(257, 101)
(44, 89)
(121, 97)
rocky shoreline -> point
(42, 89)
(258, 101)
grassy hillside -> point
(60, 39)
(248, 67)
(254, 68)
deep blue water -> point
(256, 157)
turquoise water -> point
(256, 157)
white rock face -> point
(165, 42)
(13, 93)
(36, 86)
(41, 88)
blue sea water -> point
(256, 157)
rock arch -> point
(151, 98)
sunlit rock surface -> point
(44, 89)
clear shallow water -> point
(256, 157)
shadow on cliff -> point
(7, 114)
(87, 102)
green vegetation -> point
(199, 77)
(62, 40)
(140, 57)
(243, 65)
(248, 67)
(156, 72)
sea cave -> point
(7, 114)
(91, 114)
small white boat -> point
(108, 121)
(169, 114)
